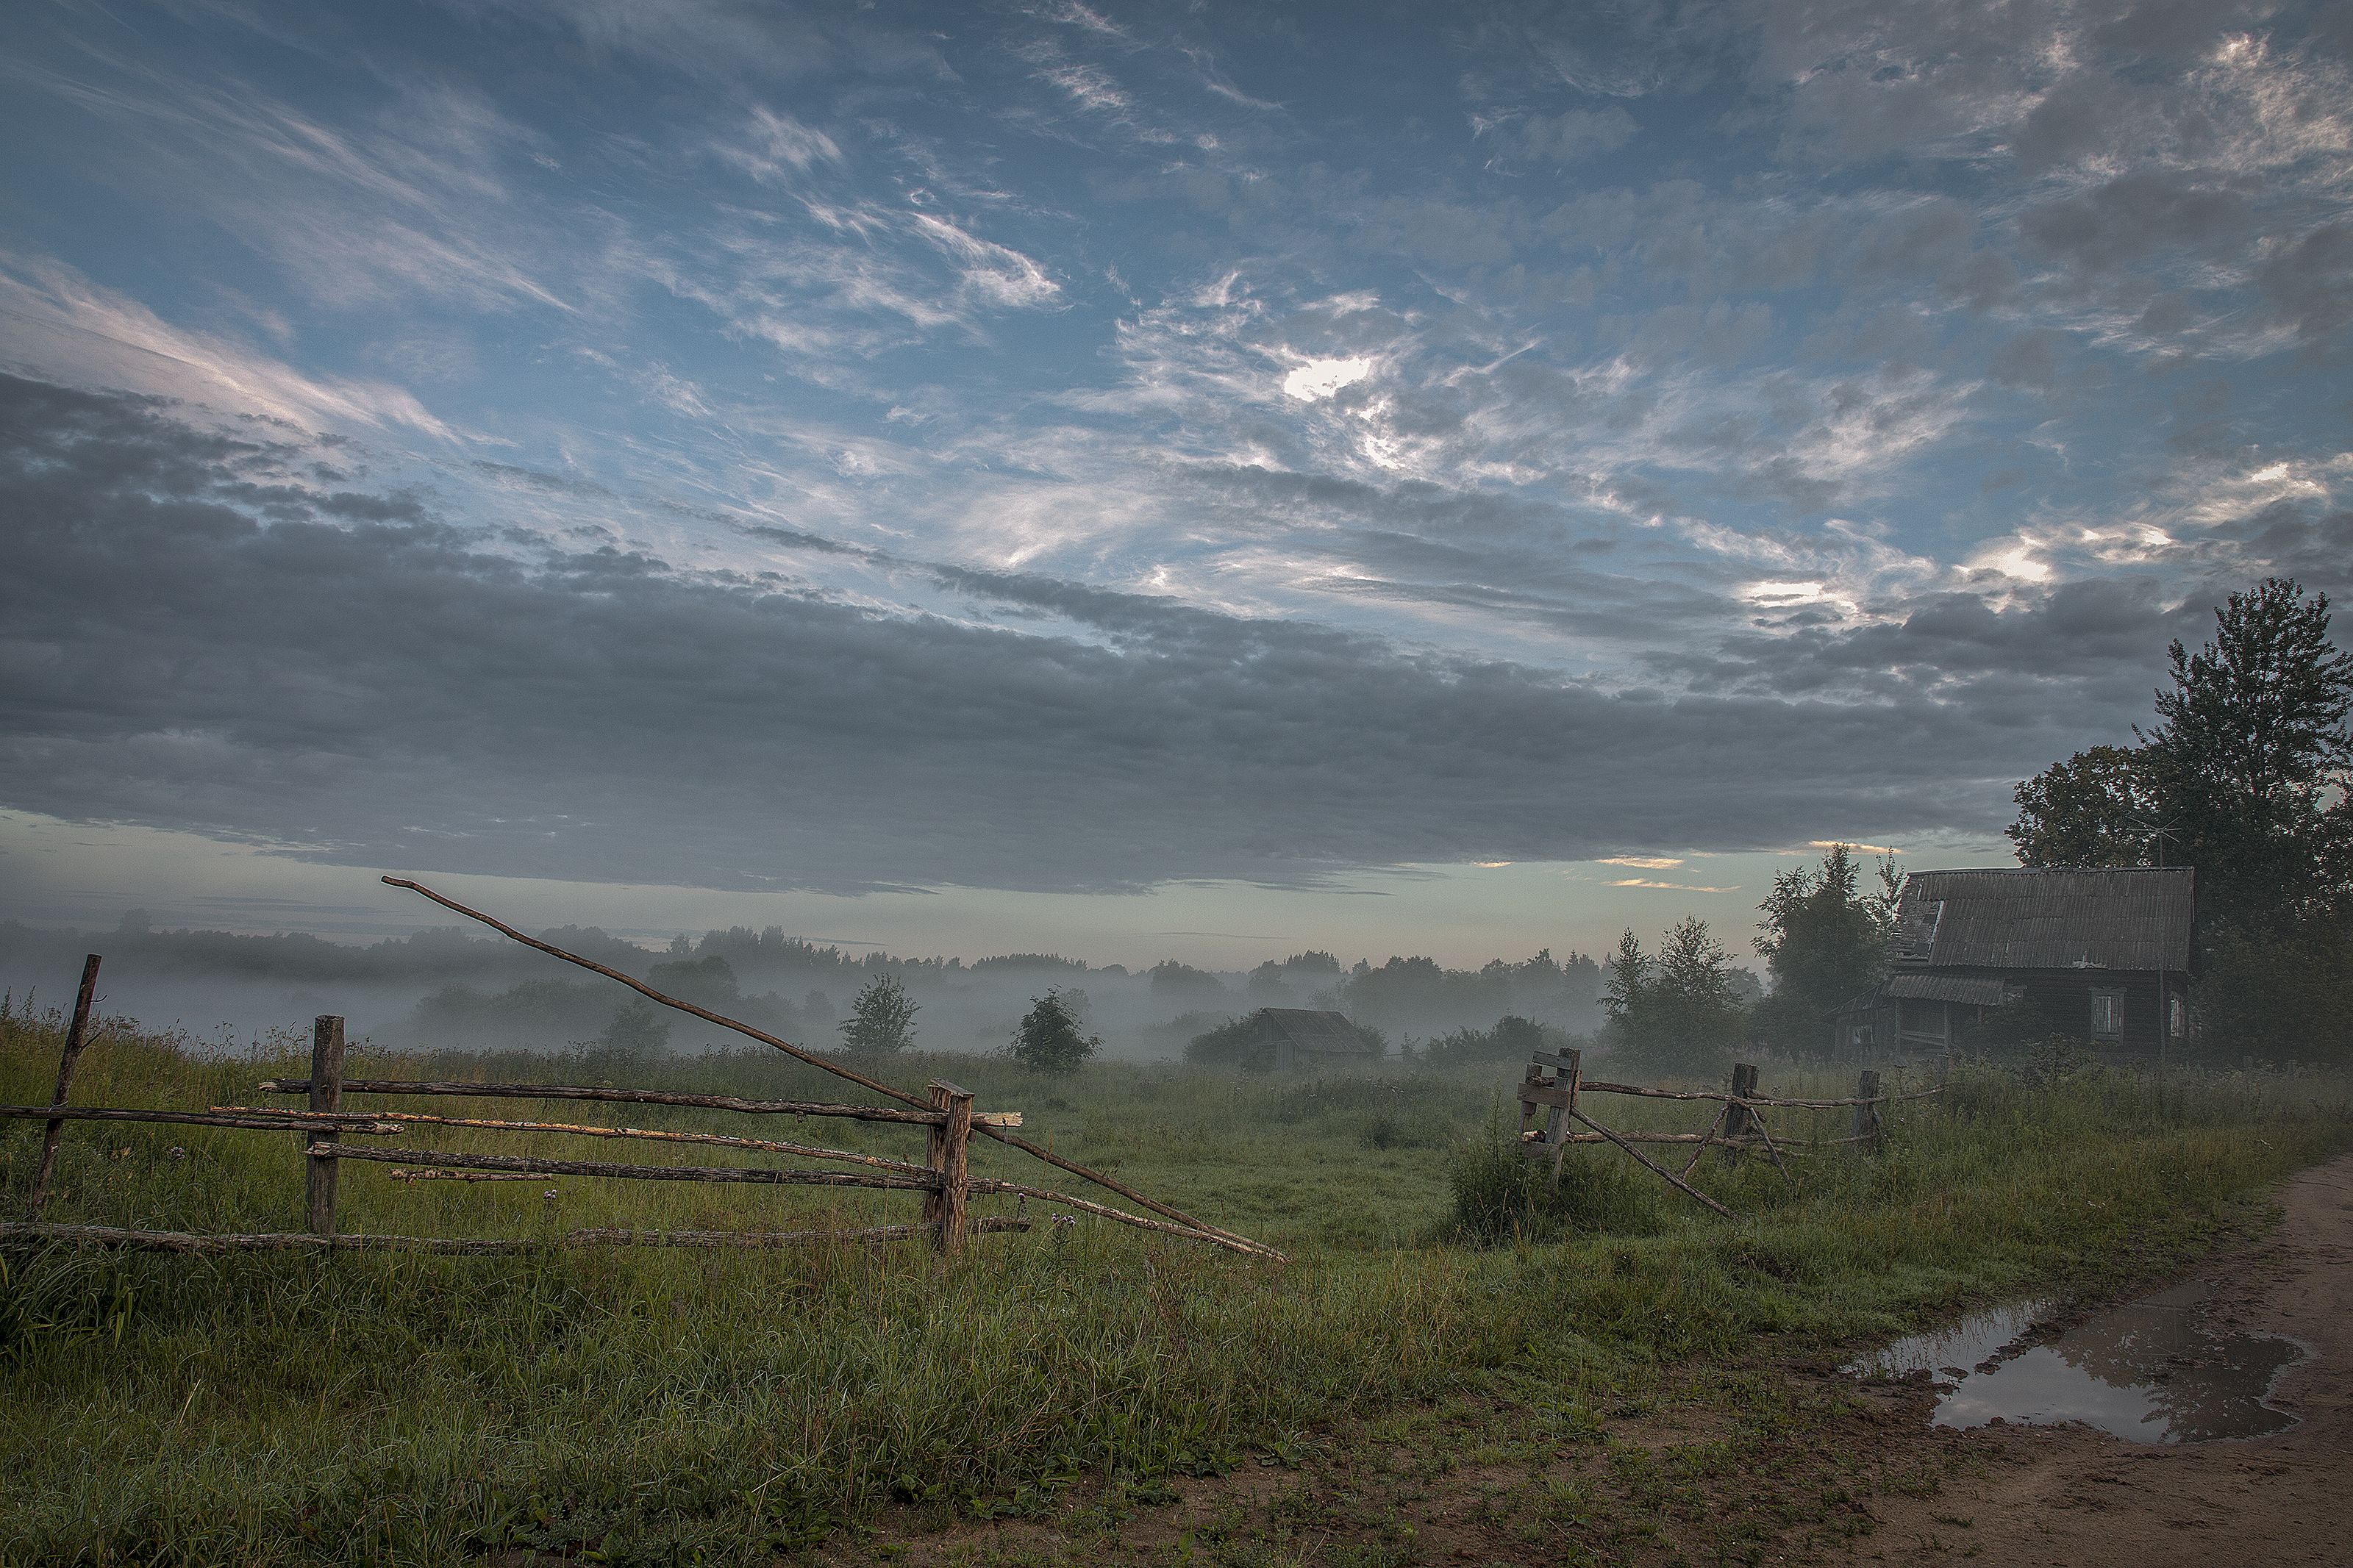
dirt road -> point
(2076, 1497)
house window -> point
(1859, 1036)
(2107, 1014)
(2176, 1017)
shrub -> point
(1500, 1195)
(1050, 1039)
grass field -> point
(670, 1407)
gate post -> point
(326, 1094)
(1737, 1120)
(1866, 1115)
(950, 1146)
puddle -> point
(2148, 1373)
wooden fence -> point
(1555, 1083)
(326, 1129)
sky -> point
(1198, 480)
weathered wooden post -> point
(950, 1145)
(52, 1131)
(326, 1094)
(1866, 1114)
(1570, 1074)
(1738, 1123)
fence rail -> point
(1555, 1081)
(945, 1180)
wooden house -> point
(1296, 1040)
(2101, 955)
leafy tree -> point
(1824, 938)
(883, 1018)
(1683, 1008)
(2093, 809)
(2249, 763)
(2244, 776)
(637, 1030)
(1050, 1039)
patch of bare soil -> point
(2070, 1495)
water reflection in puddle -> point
(2148, 1373)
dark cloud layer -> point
(199, 638)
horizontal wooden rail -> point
(649, 1134)
(1754, 1101)
(1536, 1140)
(298, 1241)
(618, 1097)
(261, 1120)
(753, 1174)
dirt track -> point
(2072, 1496)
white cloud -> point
(59, 324)
(1320, 378)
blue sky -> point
(1004, 476)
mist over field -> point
(446, 988)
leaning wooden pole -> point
(650, 994)
(1240, 1243)
(1660, 1170)
(54, 1129)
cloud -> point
(269, 655)
(1641, 862)
(60, 323)
(1669, 887)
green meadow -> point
(652, 1405)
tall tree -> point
(1680, 1009)
(1051, 1038)
(883, 1018)
(1824, 938)
(2248, 764)
(2093, 809)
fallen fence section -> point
(1555, 1081)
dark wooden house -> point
(1293, 1039)
(2102, 955)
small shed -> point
(1293, 1039)
(2104, 954)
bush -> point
(1502, 1195)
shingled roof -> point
(2120, 918)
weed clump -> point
(1501, 1195)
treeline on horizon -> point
(486, 991)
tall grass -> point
(665, 1406)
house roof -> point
(2118, 918)
(1313, 1029)
(1977, 991)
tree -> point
(2093, 809)
(1050, 1039)
(1680, 1009)
(883, 1018)
(637, 1030)
(1824, 938)
(2249, 763)
(2244, 778)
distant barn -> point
(2101, 955)
(1296, 1040)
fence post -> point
(1737, 1119)
(326, 1094)
(1567, 1078)
(1866, 1115)
(52, 1131)
(951, 1155)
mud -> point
(2077, 1494)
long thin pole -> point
(54, 1129)
(900, 1095)
(650, 994)
(1660, 1170)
